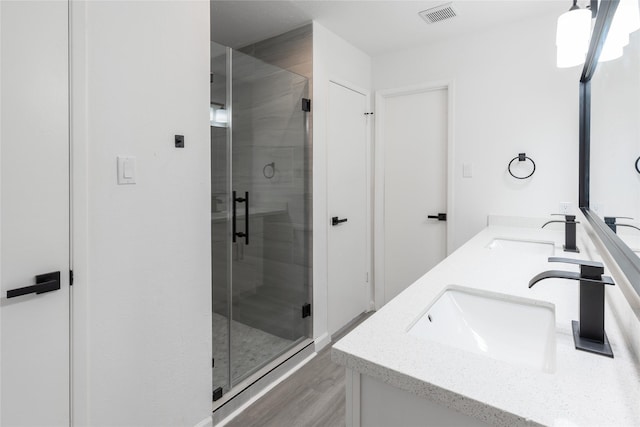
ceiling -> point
(374, 26)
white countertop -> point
(585, 389)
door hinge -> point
(306, 310)
(70, 277)
(217, 393)
(366, 277)
(213, 362)
(306, 104)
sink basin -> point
(512, 329)
(534, 247)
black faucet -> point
(588, 333)
(569, 232)
(611, 222)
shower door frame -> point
(262, 377)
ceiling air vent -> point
(438, 13)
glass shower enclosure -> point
(260, 216)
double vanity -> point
(471, 343)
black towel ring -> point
(266, 168)
(521, 157)
(637, 168)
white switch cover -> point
(467, 170)
(126, 170)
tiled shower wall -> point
(273, 134)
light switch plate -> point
(467, 170)
(126, 170)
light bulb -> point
(628, 15)
(610, 51)
(567, 57)
(572, 37)
(625, 21)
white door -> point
(34, 213)
(414, 132)
(347, 202)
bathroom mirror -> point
(610, 146)
(615, 144)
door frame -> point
(79, 227)
(368, 193)
(381, 97)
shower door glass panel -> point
(220, 217)
(269, 163)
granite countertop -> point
(584, 389)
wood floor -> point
(312, 396)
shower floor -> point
(250, 349)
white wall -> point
(509, 98)
(333, 58)
(142, 297)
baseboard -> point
(322, 341)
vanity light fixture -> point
(572, 36)
(574, 31)
(625, 21)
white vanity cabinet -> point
(372, 403)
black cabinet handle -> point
(234, 231)
(44, 283)
(439, 217)
(336, 221)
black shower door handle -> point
(44, 283)
(234, 227)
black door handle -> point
(336, 221)
(235, 233)
(44, 283)
(439, 217)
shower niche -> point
(260, 217)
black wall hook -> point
(521, 157)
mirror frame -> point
(627, 260)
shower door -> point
(262, 229)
